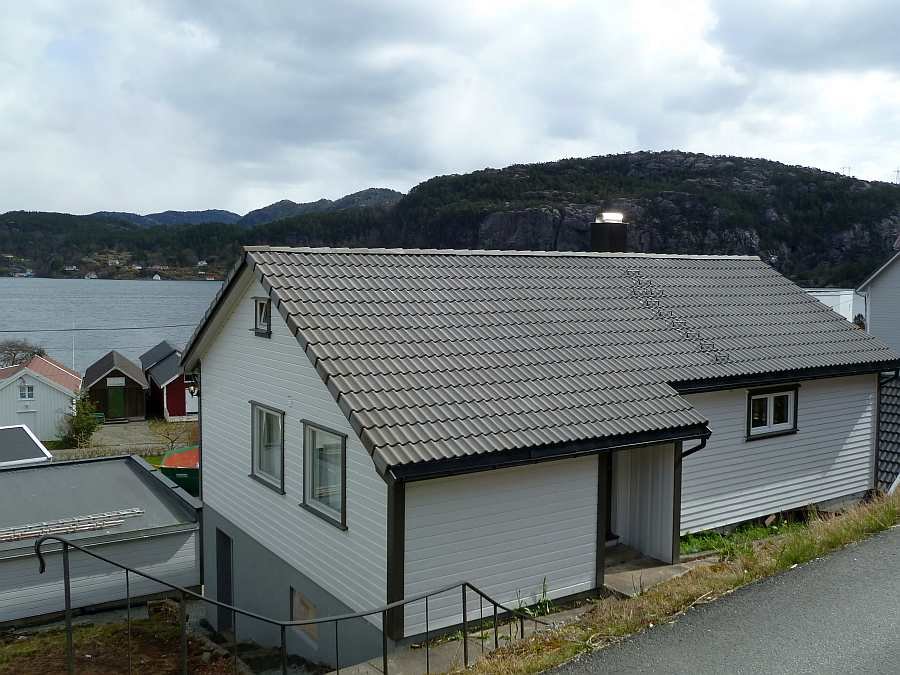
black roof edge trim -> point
(456, 466)
(783, 377)
(230, 280)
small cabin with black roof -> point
(117, 387)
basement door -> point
(514, 533)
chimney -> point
(608, 233)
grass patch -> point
(746, 560)
(103, 648)
(155, 460)
(736, 538)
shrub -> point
(80, 425)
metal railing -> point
(517, 616)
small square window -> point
(324, 473)
(26, 392)
(302, 610)
(262, 322)
(771, 412)
(267, 429)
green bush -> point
(80, 425)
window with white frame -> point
(771, 412)
(26, 392)
(268, 445)
(262, 323)
(324, 473)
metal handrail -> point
(184, 592)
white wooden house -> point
(38, 394)
(379, 423)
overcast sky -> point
(145, 106)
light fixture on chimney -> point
(611, 217)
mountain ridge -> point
(817, 227)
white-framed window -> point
(262, 322)
(302, 610)
(267, 430)
(26, 392)
(325, 473)
(771, 412)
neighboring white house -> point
(38, 394)
(844, 301)
(118, 507)
(378, 423)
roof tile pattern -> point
(438, 354)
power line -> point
(69, 330)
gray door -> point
(224, 581)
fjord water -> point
(137, 307)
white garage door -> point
(505, 531)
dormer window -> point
(263, 312)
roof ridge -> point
(59, 366)
(490, 252)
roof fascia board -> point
(862, 287)
(100, 377)
(522, 456)
(50, 383)
(199, 341)
(785, 377)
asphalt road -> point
(839, 614)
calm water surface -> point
(27, 306)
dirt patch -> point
(104, 649)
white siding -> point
(830, 456)
(504, 531)
(240, 367)
(24, 592)
(643, 496)
(844, 301)
(43, 415)
(883, 306)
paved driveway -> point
(840, 614)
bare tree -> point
(172, 434)
(13, 352)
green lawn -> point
(155, 460)
(740, 536)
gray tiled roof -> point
(441, 354)
(888, 435)
(113, 361)
(156, 354)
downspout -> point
(696, 448)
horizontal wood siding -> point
(24, 592)
(830, 456)
(43, 415)
(883, 306)
(504, 531)
(240, 367)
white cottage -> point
(38, 394)
(379, 423)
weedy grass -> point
(747, 560)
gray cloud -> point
(150, 105)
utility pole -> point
(897, 175)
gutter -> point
(696, 448)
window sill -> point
(269, 484)
(262, 333)
(324, 516)
(771, 434)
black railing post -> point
(384, 663)
(521, 628)
(128, 613)
(427, 640)
(481, 622)
(182, 619)
(337, 651)
(283, 650)
(496, 642)
(465, 622)
(67, 583)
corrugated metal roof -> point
(441, 354)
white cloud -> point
(144, 106)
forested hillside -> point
(819, 228)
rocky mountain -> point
(171, 217)
(372, 197)
(817, 227)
